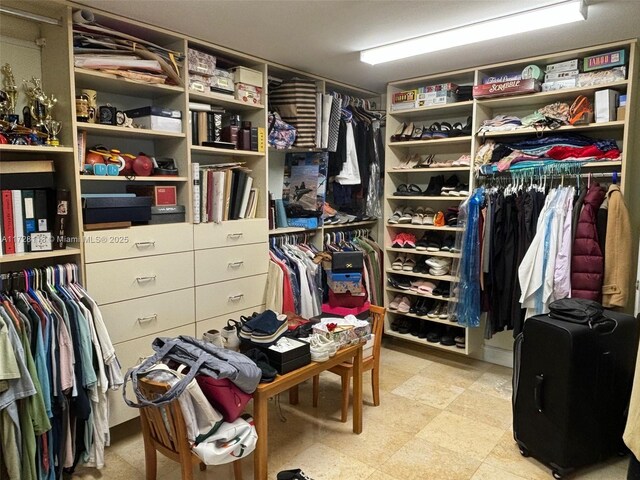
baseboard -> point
(498, 356)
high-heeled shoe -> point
(408, 132)
(396, 137)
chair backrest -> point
(377, 323)
(165, 424)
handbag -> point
(347, 262)
(224, 396)
(231, 442)
(281, 134)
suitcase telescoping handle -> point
(537, 392)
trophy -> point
(10, 91)
(53, 128)
(36, 109)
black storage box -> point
(167, 214)
(288, 358)
(346, 262)
(116, 209)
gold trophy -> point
(8, 107)
(36, 108)
(53, 128)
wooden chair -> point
(168, 438)
(372, 362)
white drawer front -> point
(104, 245)
(220, 264)
(218, 299)
(128, 354)
(120, 280)
(228, 234)
(147, 315)
(217, 323)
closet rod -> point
(30, 16)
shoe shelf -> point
(449, 198)
(418, 294)
(433, 141)
(425, 227)
(223, 100)
(123, 132)
(618, 124)
(442, 321)
(105, 82)
(423, 252)
(446, 278)
(447, 109)
(427, 170)
(422, 341)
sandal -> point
(407, 132)
(438, 221)
(407, 215)
(418, 216)
(443, 131)
(429, 134)
(408, 264)
(396, 137)
(395, 302)
(466, 130)
(398, 262)
(429, 217)
(402, 190)
(417, 133)
(456, 130)
(395, 218)
(425, 162)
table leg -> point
(293, 395)
(357, 391)
(261, 419)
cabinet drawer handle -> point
(236, 264)
(235, 235)
(148, 319)
(235, 298)
(146, 244)
(146, 279)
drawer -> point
(104, 245)
(217, 323)
(228, 234)
(227, 263)
(120, 280)
(147, 315)
(218, 299)
(129, 353)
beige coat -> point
(617, 255)
(632, 433)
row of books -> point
(223, 192)
(206, 126)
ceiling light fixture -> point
(527, 21)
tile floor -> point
(441, 416)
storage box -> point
(288, 355)
(563, 66)
(407, 96)
(345, 282)
(436, 98)
(247, 76)
(348, 330)
(248, 94)
(559, 84)
(199, 83)
(621, 113)
(308, 223)
(222, 81)
(160, 195)
(604, 60)
(165, 124)
(167, 214)
(606, 103)
(602, 77)
(152, 110)
(201, 63)
(502, 89)
(441, 87)
(346, 262)
(554, 76)
(111, 208)
(398, 107)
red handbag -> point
(224, 396)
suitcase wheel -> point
(556, 474)
(524, 452)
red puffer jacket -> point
(587, 261)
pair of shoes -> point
(400, 303)
(321, 348)
(460, 341)
(448, 243)
(404, 240)
(440, 310)
(295, 474)
(461, 190)
(410, 161)
(434, 187)
(401, 215)
(422, 306)
(420, 266)
(422, 286)
(214, 337)
(399, 284)
(463, 161)
(450, 184)
(442, 290)
(405, 263)
(439, 263)
(403, 133)
(439, 221)
(423, 216)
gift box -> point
(344, 331)
(199, 83)
(248, 94)
(288, 354)
(345, 282)
(247, 76)
(201, 63)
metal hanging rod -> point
(30, 16)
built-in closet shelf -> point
(418, 294)
(105, 82)
(438, 346)
(34, 149)
(122, 132)
(335, 226)
(618, 124)
(447, 109)
(446, 278)
(29, 256)
(548, 97)
(223, 152)
(428, 170)
(296, 150)
(425, 227)
(413, 251)
(223, 100)
(444, 198)
(99, 178)
(442, 321)
(464, 140)
(285, 230)
(590, 165)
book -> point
(234, 193)
(204, 218)
(194, 128)
(228, 177)
(195, 173)
(28, 212)
(242, 212)
(18, 221)
(239, 194)
(202, 127)
(254, 203)
(8, 241)
(41, 210)
(218, 196)
(209, 191)
(61, 219)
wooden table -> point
(290, 381)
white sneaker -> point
(328, 343)
(320, 350)
(214, 337)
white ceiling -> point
(325, 36)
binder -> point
(245, 198)
(28, 212)
(18, 221)
(238, 193)
(195, 174)
(41, 208)
(8, 241)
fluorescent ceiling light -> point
(527, 21)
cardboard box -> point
(606, 103)
(247, 76)
(222, 81)
(441, 97)
(604, 60)
(442, 87)
(200, 63)
(248, 94)
(288, 355)
(110, 208)
(407, 96)
(398, 107)
(505, 77)
(154, 122)
(621, 113)
(161, 195)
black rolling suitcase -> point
(571, 387)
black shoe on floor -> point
(296, 474)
